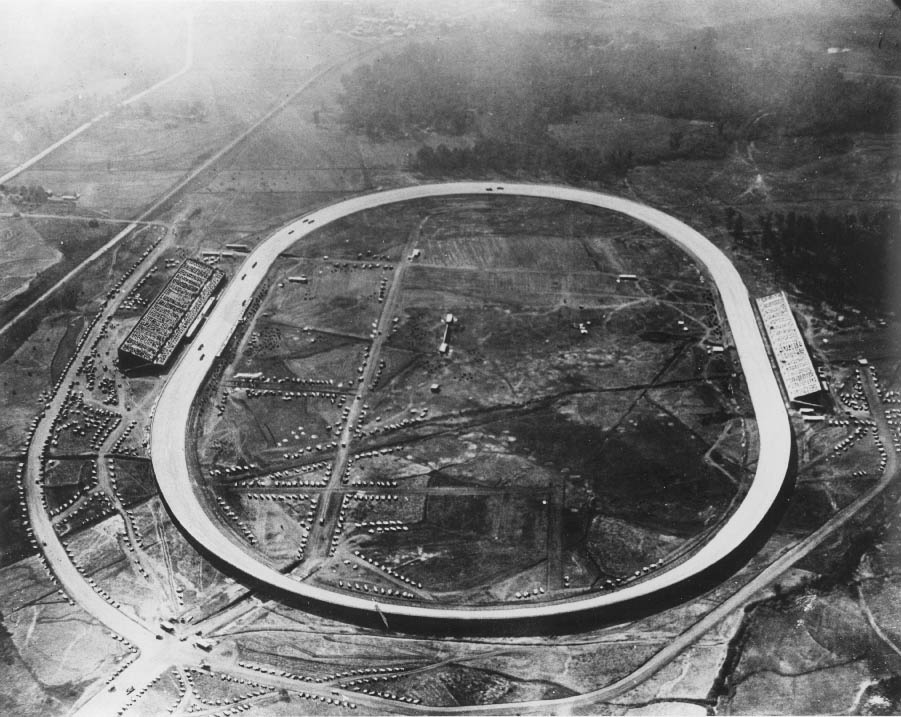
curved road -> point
(170, 430)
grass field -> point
(25, 254)
(534, 461)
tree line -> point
(490, 155)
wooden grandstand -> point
(153, 340)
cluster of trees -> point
(507, 89)
(842, 259)
(459, 86)
(516, 84)
(31, 193)
(492, 155)
(512, 85)
(413, 88)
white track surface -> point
(170, 431)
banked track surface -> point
(171, 439)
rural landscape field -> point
(472, 451)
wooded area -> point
(510, 87)
(842, 259)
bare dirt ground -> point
(526, 449)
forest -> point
(507, 88)
(843, 259)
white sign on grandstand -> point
(794, 362)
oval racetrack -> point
(171, 439)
